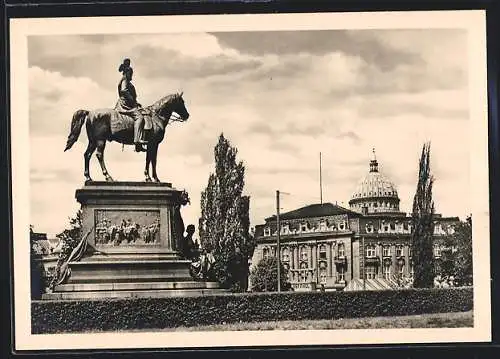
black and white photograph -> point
(309, 179)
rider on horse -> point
(127, 103)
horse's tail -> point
(76, 127)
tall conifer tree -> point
(422, 224)
(224, 224)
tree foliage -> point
(69, 238)
(457, 254)
(36, 268)
(422, 224)
(265, 276)
(224, 223)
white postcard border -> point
(474, 21)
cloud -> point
(316, 42)
(280, 104)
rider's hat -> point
(125, 65)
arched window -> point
(304, 255)
(341, 250)
(322, 251)
(267, 232)
(265, 252)
(285, 255)
(369, 228)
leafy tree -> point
(457, 256)
(463, 261)
(422, 224)
(36, 268)
(224, 223)
(70, 238)
(265, 276)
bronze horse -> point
(98, 125)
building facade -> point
(327, 245)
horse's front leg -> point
(87, 155)
(154, 155)
(148, 161)
(101, 145)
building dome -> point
(375, 193)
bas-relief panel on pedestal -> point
(127, 227)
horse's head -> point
(174, 103)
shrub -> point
(265, 276)
(156, 313)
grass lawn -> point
(439, 320)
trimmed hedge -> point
(156, 313)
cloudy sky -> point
(280, 97)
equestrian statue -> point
(128, 123)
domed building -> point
(327, 245)
(375, 193)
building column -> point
(393, 260)
(294, 262)
(309, 255)
(296, 257)
(328, 259)
(314, 250)
(407, 261)
(381, 260)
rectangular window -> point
(370, 251)
(370, 272)
(322, 276)
(437, 251)
(399, 251)
(341, 251)
(387, 272)
(341, 274)
(386, 252)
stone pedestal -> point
(131, 225)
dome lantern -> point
(374, 163)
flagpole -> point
(320, 181)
